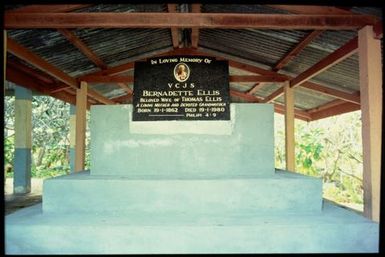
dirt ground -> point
(16, 202)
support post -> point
(371, 110)
(5, 58)
(72, 137)
(289, 127)
(80, 134)
(23, 141)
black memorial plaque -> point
(181, 88)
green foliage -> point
(50, 136)
(330, 148)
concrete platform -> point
(334, 230)
(205, 194)
(121, 146)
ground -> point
(14, 202)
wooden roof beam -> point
(298, 114)
(234, 78)
(340, 54)
(277, 93)
(277, 107)
(18, 65)
(100, 98)
(337, 56)
(28, 81)
(341, 108)
(35, 60)
(126, 88)
(196, 8)
(122, 98)
(378, 31)
(310, 85)
(247, 97)
(185, 20)
(174, 31)
(347, 97)
(255, 88)
(83, 48)
(297, 49)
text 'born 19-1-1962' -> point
(181, 88)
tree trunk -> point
(40, 156)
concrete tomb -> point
(185, 187)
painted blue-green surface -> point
(22, 168)
(335, 230)
(23, 93)
(189, 194)
(193, 192)
(72, 159)
(72, 109)
(249, 149)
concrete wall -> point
(243, 145)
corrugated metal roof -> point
(263, 48)
(55, 49)
(114, 46)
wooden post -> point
(371, 111)
(5, 58)
(72, 137)
(23, 141)
(289, 127)
(81, 108)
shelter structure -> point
(310, 62)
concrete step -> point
(335, 229)
(283, 192)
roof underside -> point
(263, 48)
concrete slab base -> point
(159, 193)
(333, 230)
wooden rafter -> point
(337, 56)
(36, 61)
(326, 106)
(298, 114)
(108, 79)
(341, 108)
(234, 78)
(26, 80)
(17, 65)
(51, 8)
(277, 93)
(378, 31)
(83, 48)
(347, 97)
(126, 88)
(185, 20)
(354, 97)
(340, 54)
(255, 88)
(253, 78)
(174, 31)
(100, 98)
(195, 8)
(297, 49)
(123, 98)
(247, 97)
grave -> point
(185, 186)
